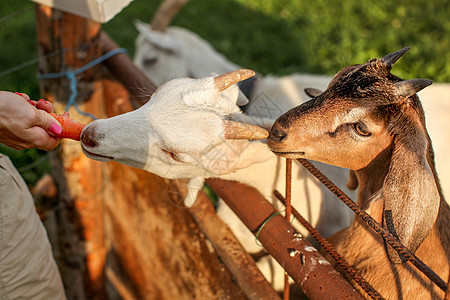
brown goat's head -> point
(351, 122)
(365, 113)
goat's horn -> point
(390, 59)
(165, 13)
(410, 87)
(240, 131)
(312, 92)
(226, 80)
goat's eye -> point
(148, 62)
(172, 155)
(361, 129)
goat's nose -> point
(88, 137)
(277, 134)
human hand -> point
(25, 126)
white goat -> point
(178, 52)
(372, 122)
(180, 133)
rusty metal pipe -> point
(314, 274)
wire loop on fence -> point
(71, 75)
(264, 224)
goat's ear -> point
(235, 95)
(411, 198)
(162, 40)
(312, 92)
(231, 94)
(242, 99)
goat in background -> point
(371, 121)
(178, 52)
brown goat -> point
(372, 122)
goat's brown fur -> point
(387, 145)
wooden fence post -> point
(69, 42)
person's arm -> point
(27, 126)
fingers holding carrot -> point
(18, 123)
(66, 127)
(44, 105)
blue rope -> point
(71, 75)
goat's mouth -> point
(96, 156)
(289, 154)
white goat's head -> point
(185, 130)
(176, 52)
(371, 121)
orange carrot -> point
(70, 128)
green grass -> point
(285, 36)
(269, 36)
